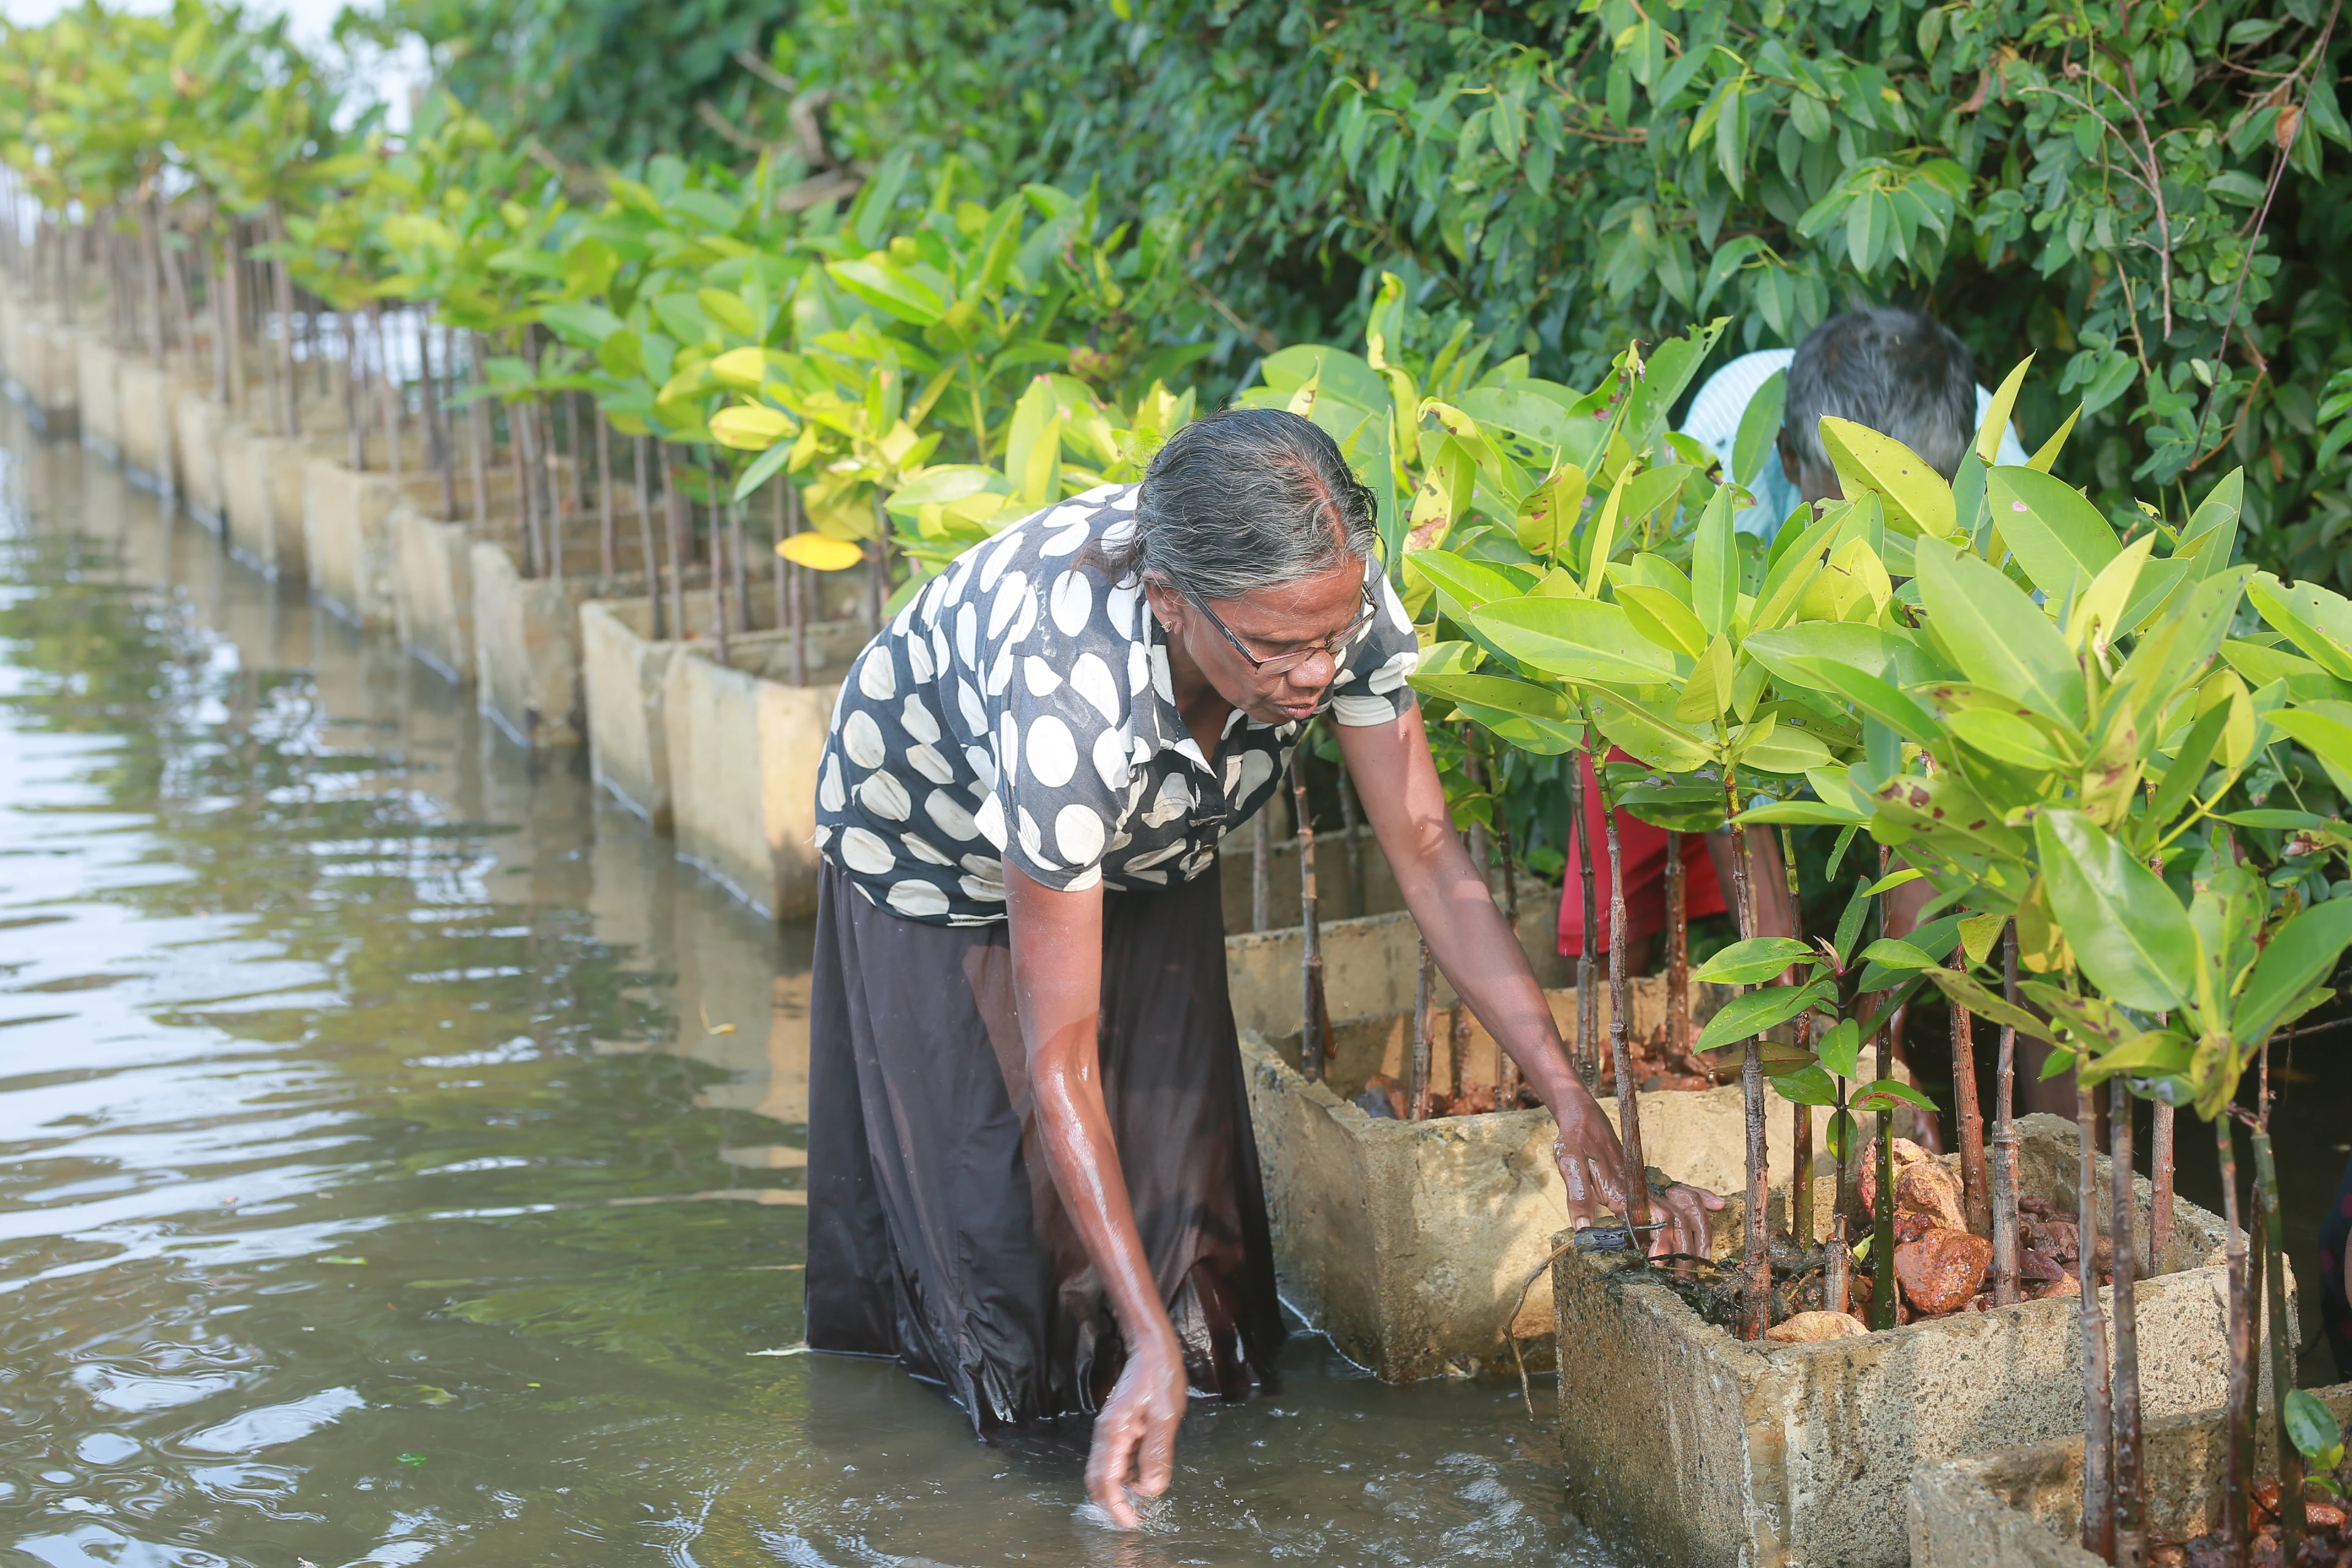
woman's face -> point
(1273, 624)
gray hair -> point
(1895, 371)
(1244, 499)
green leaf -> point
(1760, 427)
(1755, 960)
(1760, 1010)
(2057, 536)
(1996, 420)
(1894, 952)
(1807, 1085)
(1985, 1003)
(2158, 1053)
(1840, 1050)
(890, 288)
(1469, 584)
(1916, 498)
(2311, 1426)
(1497, 691)
(1897, 710)
(2300, 954)
(1585, 641)
(1663, 619)
(1715, 562)
(2317, 621)
(1997, 634)
(2129, 934)
(1886, 1093)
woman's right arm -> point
(1057, 987)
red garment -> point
(1643, 849)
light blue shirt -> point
(1714, 422)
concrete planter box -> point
(625, 676)
(99, 395)
(433, 587)
(1706, 1449)
(744, 753)
(1236, 869)
(198, 430)
(247, 461)
(2023, 1509)
(1370, 965)
(147, 398)
(47, 374)
(347, 546)
(1407, 1241)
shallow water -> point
(401, 1155)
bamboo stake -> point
(1507, 1070)
(481, 437)
(1424, 1002)
(645, 480)
(354, 426)
(739, 581)
(608, 544)
(387, 394)
(2129, 1488)
(776, 567)
(1587, 999)
(1261, 870)
(1678, 1013)
(673, 508)
(718, 547)
(1350, 820)
(1621, 1015)
(1800, 1142)
(2282, 1346)
(2099, 1430)
(151, 268)
(796, 580)
(570, 402)
(1975, 1186)
(1314, 1012)
(2237, 1486)
(1882, 1313)
(2160, 1163)
(517, 459)
(175, 274)
(2004, 1139)
(1755, 1263)
(282, 280)
(436, 433)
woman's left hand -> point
(1591, 1167)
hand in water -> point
(1591, 1167)
(1135, 1435)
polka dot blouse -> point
(1019, 709)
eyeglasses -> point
(1335, 645)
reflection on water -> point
(400, 1156)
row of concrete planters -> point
(99, 394)
(625, 676)
(2023, 1509)
(1697, 1446)
(744, 753)
(347, 543)
(1408, 1242)
(197, 426)
(38, 358)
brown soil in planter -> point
(2326, 1542)
(1940, 1270)
(1658, 1067)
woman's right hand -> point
(1135, 1435)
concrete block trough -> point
(743, 750)
(1702, 1449)
(98, 394)
(198, 425)
(148, 397)
(625, 676)
(2022, 1507)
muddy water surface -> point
(400, 1156)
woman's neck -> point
(1198, 702)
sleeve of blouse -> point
(1370, 688)
(1063, 743)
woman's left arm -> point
(1397, 782)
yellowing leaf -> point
(2004, 403)
(820, 552)
(2101, 608)
(740, 370)
(1916, 498)
(750, 427)
(2041, 460)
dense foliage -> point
(2131, 190)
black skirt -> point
(935, 1232)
